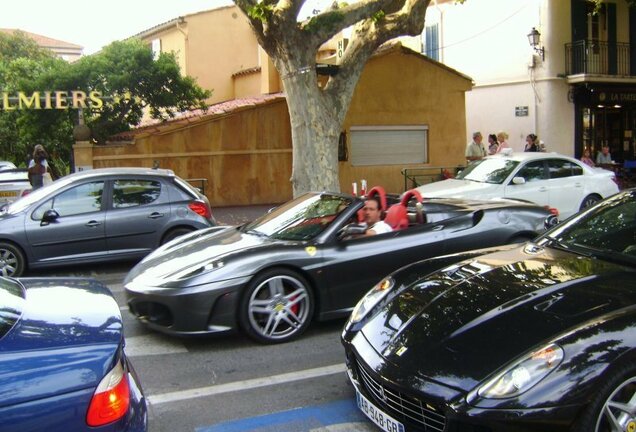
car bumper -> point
(436, 407)
(204, 309)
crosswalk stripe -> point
(182, 395)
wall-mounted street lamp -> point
(534, 37)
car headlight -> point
(370, 299)
(523, 374)
(190, 272)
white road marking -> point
(152, 345)
(347, 427)
(182, 395)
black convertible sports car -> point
(272, 276)
(534, 337)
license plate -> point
(377, 416)
(8, 194)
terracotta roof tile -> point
(43, 41)
(187, 117)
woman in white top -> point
(38, 167)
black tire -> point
(277, 306)
(616, 391)
(12, 261)
(174, 233)
(589, 201)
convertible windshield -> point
(608, 232)
(300, 219)
(493, 171)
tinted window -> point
(560, 168)
(85, 198)
(532, 171)
(11, 304)
(493, 171)
(610, 229)
(131, 193)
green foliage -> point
(122, 68)
(261, 12)
(378, 16)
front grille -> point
(400, 405)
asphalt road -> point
(230, 383)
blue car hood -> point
(460, 324)
(66, 339)
(192, 251)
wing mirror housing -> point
(518, 180)
(49, 216)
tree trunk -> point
(315, 128)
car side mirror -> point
(518, 180)
(351, 230)
(50, 216)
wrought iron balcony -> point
(593, 57)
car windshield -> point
(606, 232)
(300, 219)
(12, 299)
(493, 171)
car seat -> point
(397, 217)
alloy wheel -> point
(619, 410)
(279, 307)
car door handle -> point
(93, 223)
(438, 227)
(155, 215)
(543, 189)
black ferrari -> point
(300, 261)
(533, 337)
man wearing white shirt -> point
(373, 217)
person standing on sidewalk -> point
(475, 150)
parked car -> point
(63, 365)
(543, 178)
(540, 336)
(14, 183)
(271, 277)
(98, 215)
(4, 165)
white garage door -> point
(388, 145)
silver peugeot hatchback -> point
(100, 215)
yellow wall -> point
(400, 88)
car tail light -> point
(200, 208)
(25, 192)
(111, 399)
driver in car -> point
(373, 217)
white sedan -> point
(548, 179)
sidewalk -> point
(240, 214)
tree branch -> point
(325, 25)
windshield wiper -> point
(606, 254)
(256, 233)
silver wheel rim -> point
(278, 307)
(589, 202)
(619, 410)
(8, 262)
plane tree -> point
(317, 112)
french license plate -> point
(377, 416)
